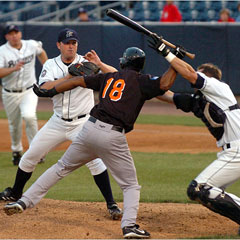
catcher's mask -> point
(133, 58)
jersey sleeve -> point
(94, 82)
(37, 45)
(2, 60)
(208, 84)
(46, 74)
(150, 86)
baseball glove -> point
(83, 69)
(183, 101)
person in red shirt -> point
(170, 13)
(225, 16)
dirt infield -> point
(52, 219)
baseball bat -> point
(139, 28)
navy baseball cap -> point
(11, 28)
(67, 34)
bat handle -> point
(188, 54)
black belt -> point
(233, 107)
(71, 119)
(17, 91)
(226, 146)
(115, 128)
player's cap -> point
(11, 28)
(67, 34)
(81, 10)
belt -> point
(226, 146)
(115, 128)
(72, 119)
(233, 107)
(17, 91)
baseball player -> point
(122, 95)
(17, 70)
(71, 111)
(215, 104)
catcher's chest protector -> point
(212, 116)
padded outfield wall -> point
(211, 42)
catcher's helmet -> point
(133, 58)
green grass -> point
(164, 177)
(142, 119)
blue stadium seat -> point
(184, 6)
(138, 16)
(152, 5)
(194, 14)
(216, 5)
(232, 5)
(154, 16)
(200, 6)
(186, 16)
(138, 6)
(202, 16)
(213, 15)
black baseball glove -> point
(44, 92)
(183, 101)
(83, 69)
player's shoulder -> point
(3, 46)
(32, 42)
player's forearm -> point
(166, 97)
(106, 68)
(184, 69)
(42, 57)
(6, 71)
(70, 84)
(168, 78)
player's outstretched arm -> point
(167, 79)
(42, 57)
(183, 68)
(94, 58)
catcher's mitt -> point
(83, 69)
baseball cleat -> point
(115, 212)
(16, 157)
(15, 207)
(132, 232)
(8, 195)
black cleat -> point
(8, 195)
(115, 212)
(134, 232)
(16, 157)
(15, 207)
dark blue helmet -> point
(133, 58)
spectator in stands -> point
(225, 16)
(83, 15)
(238, 9)
(170, 13)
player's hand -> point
(179, 51)
(44, 92)
(156, 44)
(18, 66)
(92, 57)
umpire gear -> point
(133, 58)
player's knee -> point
(29, 118)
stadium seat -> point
(152, 6)
(216, 5)
(154, 16)
(200, 6)
(232, 5)
(202, 16)
(184, 6)
(194, 14)
(138, 16)
(212, 15)
(186, 16)
(138, 6)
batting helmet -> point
(133, 58)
